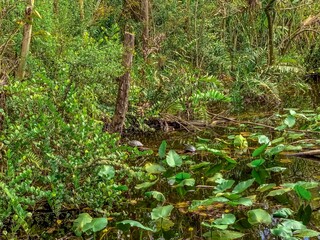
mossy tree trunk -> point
(27, 31)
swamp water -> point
(195, 208)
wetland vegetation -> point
(143, 119)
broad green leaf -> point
(173, 159)
(223, 235)
(303, 193)
(258, 216)
(283, 213)
(266, 187)
(293, 148)
(164, 224)
(187, 182)
(263, 139)
(293, 224)
(154, 168)
(242, 186)
(259, 150)
(80, 222)
(107, 172)
(278, 192)
(162, 149)
(224, 185)
(304, 233)
(222, 227)
(96, 225)
(200, 166)
(245, 201)
(296, 135)
(256, 163)
(182, 175)
(282, 232)
(275, 150)
(161, 212)
(133, 223)
(156, 195)
(277, 140)
(260, 175)
(290, 121)
(226, 219)
(146, 185)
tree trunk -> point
(56, 7)
(269, 10)
(145, 34)
(81, 9)
(124, 85)
(26, 40)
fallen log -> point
(313, 154)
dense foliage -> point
(63, 175)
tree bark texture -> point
(124, 85)
(56, 7)
(145, 34)
(27, 30)
(269, 10)
(81, 9)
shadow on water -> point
(297, 169)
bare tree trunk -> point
(26, 40)
(145, 34)
(81, 9)
(124, 85)
(269, 10)
(56, 7)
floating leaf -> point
(162, 149)
(161, 212)
(290, 121)
(278, 192)
(123, 225)
(293, 148)
(224, 185)
(145, 185)
(277, 140)
(182, 175)
(226, 219)
(306, 233)
(275, 150)
(242, 186)
(258, 216)
(173, 159)
(283, 213)
(223, 235)
(156, 195)
(154, 168)
(266, 187)
(164, 224)
(80, 222)
(96, 225)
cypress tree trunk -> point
(145, 34)
(26, 40)
(124, 85)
